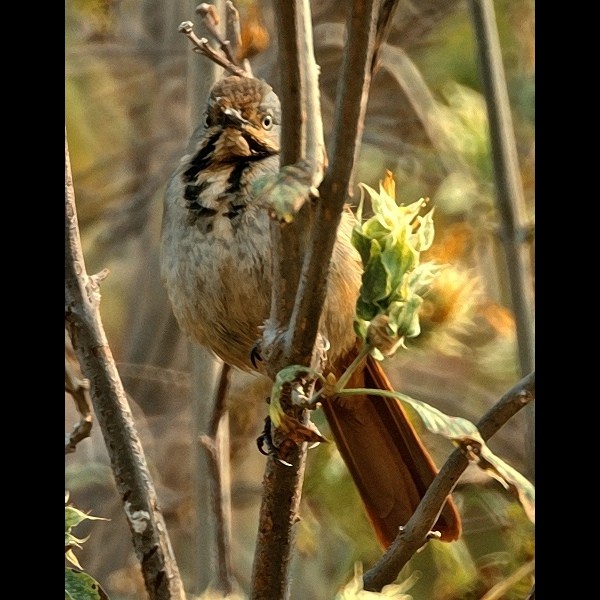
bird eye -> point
(267, 122)
(207, 120)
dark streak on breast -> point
(235, 210)
(192, 191)
(235, 177)
(201, 160)
(199, 210)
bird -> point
(215, 261)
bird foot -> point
(255, 355)
(266, 445)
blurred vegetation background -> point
(128, 122)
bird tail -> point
(387, 461)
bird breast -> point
(216, 264)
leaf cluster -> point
(78, 584)
(394, 279)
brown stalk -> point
(417, 531)
(134, 483)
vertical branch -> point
(288, 238)
(351, 103)
(216, 444)
(302, 142)
(299, 292)
(509, 191)
(211, 470)
(134, 483)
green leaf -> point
(366, 311)
(423, 276)
(464, 433)
(376, 284)
(404, 317)
(510, 478)
(70, 556)
(73, 516)
(437, 422)
(285, 192)
(362, 243)
(393, 281)
(425, 232)
(398, 258)
(81, 586)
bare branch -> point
(210, 17)
(303, 160)
(233, 32)
(303, 147)
(509, 192)
(132, 477)
(415, 533)
(351, 102)
(79, 391)
(203, 47)
(214, 442)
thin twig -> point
(210, 17)
(509, 193)
(500, 589)
(133, 480)
(415, 534)
(79, 391)
(384, 25)
(214, 442)
(203, 47)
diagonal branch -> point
(133, 480)
(416, 532)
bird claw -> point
(255, 355)
(265, 440)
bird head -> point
(243, 117)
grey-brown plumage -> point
(215, 247)
(216, 265)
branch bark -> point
(216, 445)
(348, 125)
(415, 534)
(79, 391)
(302, 143)
(299, 276)
(128, 462)
(515, 233)
(211, 468)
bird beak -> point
(233, 118)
